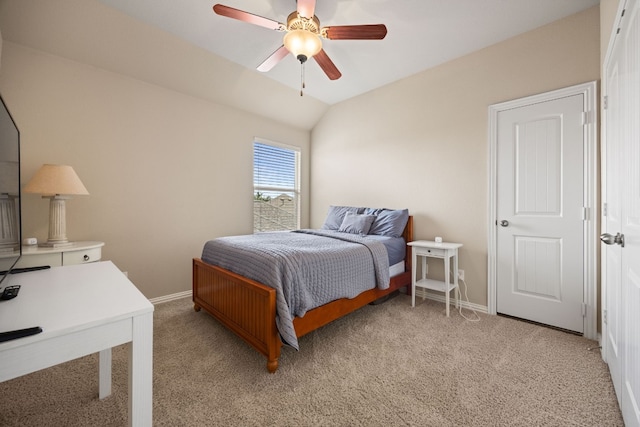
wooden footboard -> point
(248, 308)
(243, 305)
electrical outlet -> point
(461, 274)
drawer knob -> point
(86, 258)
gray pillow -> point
(356, 224)
(336, 214)
(388, 222)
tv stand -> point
(82, 309)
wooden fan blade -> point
(306, 8)
(273, 59)
(241, 15)
(356, 32)
(327, 65)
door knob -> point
(504, 223)
(610, 239)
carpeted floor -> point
(384, 365)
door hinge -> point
(604, 209)
(584, 310)
(585, 213)
(605, 101)
(585, 118)
(604, 316)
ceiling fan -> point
(303, 35)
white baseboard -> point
(422, 293)
(172, 297)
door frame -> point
(591, 213)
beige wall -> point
(421, 143)
(608, 10)
(165, 171)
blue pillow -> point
(336, 214)
(356, 224)
(388, 222)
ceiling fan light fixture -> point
(302, 44)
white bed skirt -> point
(396, 269)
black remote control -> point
(19, 333)
(10, 292)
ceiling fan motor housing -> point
(302, 38)
(297, 22)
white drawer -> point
(81, 257)
(433, 252)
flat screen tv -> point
(10, 206)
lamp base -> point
(57, 223)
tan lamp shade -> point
(56, 179)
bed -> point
(254, 311)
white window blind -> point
(276, 190)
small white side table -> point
(445, 251)
(74, 253)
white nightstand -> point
(445, 251)
(76, 253)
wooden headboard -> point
(408, 237)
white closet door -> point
(621, 259)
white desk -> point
(82, 309)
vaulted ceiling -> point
(421, 34)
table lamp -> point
(56, 183)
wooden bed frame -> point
(248, 308)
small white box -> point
(30, 241)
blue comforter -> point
(308, 268)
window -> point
(276, 187)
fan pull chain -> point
(302, 86)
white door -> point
(612, 256)
(621, 222)
(540, 212)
